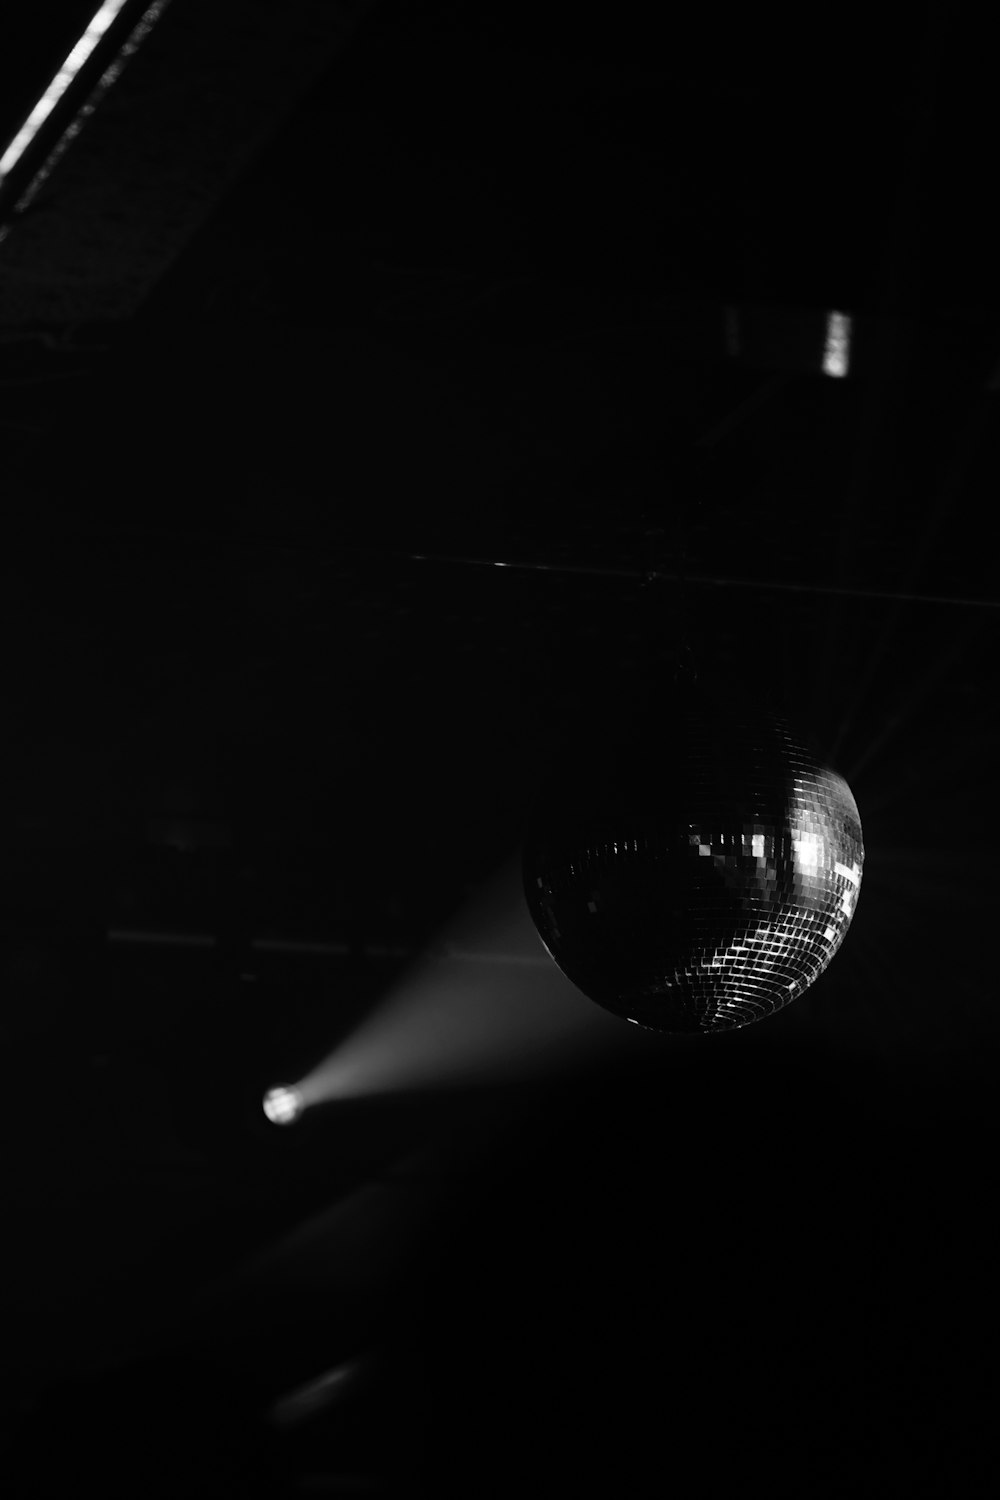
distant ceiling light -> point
(283, 1104)
(837, 349)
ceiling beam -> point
(205, 92)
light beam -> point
(485, 1004)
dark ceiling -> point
(448, 286)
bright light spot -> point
(283, 1104)
(853, 874)
(757, 845)
(837, 349)
(96, 28)
(312, 1397)
(808, 849)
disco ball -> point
(700, 875)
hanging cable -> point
(329, 551)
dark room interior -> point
(403, 406)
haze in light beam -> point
(486, 1004)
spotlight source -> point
(283, 1104)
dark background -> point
(458, 289)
